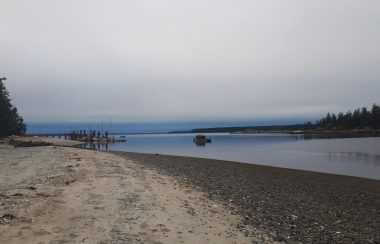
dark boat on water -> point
(201, 140)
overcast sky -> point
(189, 60)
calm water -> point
(348, 156)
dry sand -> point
(60, 194)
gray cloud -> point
(189, 60)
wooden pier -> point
(82, 135)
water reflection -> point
(101, 146)
(200, 144)
(362, 157)
(339, 135)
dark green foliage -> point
(10, 121)
(358, 119)
(308, 126)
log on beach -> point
(296, 205)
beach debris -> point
(32, 188)
(17, 194)
(68, 182)
(49, 177)
(70, 168)
(30, 143)
(6, 218)
(191, 211)
(42, 194)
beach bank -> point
(60, 194)
(297, 206)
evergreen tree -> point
(359, 119)
(375, 121)
(333, 121)
(11, 123)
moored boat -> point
(201, 140)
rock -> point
(6, 218)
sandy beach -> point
(61, 194)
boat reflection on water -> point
(103, 145)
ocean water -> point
(346, 156)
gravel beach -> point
(295, 206)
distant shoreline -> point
(310, 134)
(236, 128)
(288, 129)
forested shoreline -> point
(361, 120)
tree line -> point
(11, 123)
(361, 118)
(244, 128)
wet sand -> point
(290, 205)
(60, 194)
